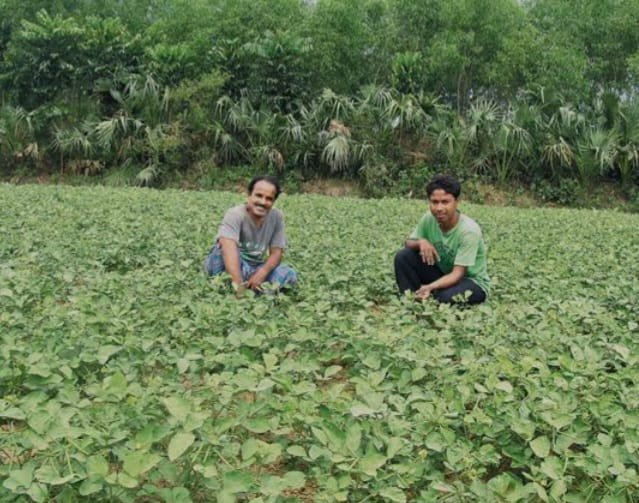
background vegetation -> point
(127, 376)
(383, 92)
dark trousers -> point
(411, 273)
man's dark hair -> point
(446, 183)
(265, 178)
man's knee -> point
(405, 256)
(214, 262)
(448, 296)
(460, 297)
(284, 275)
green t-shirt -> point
(462, 245)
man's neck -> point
(257, 221)
(452, 224)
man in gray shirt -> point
(251, 240)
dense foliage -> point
(372, 90)
(126, 375)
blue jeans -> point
(282, 276)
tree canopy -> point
(68, 68)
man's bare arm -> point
(274, 258)
(231, 256)
(427, 251)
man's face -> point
(443, 206)
(261, 199)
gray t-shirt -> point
(254, 242)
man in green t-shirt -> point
(445, 256)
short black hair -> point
(446, 183)
(265, 178)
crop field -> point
(126, 375)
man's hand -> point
(423, 293)
(256, 280)
(239, 289)
(428, 252)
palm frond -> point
(336, 154)
(147, 176)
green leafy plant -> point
(125, 374)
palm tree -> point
(74, 143)
(561, 133)
(596, 154)
(17, 135)
(512, 146)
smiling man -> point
(251, 240)
(445, 256)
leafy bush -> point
(564, 191)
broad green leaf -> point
(359, 409)
(294, 480)
(270, 361)
(622, 350)
(258, 425)
(271, 485)
(19, 478)
(523, 427)
(97, 466)
(372, 360)
(107, 351)
(136, 463)
(480, 388)
(183, 365)
(552, 467)
(394, 446)
(49, 475)
(249, 448)
(179, 444)
(336, 437)
(353, 437)
(557, 421)
(558, 489)
(237, 482)
(125, 480)
(88, 487)
(226, 497)
(176, 495)
(319, 435)
(177, 407)
(13, 413)
(315, 452)
(540, 446)
(208, 471)
(40, 422)
(436, 442)
(541, 492)
(296, 450)
(332, 370)
(418, 374)
(371, 462)
(393, 494)
(38, 492)
(504, 386)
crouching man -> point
(445, 256)
(251, 240)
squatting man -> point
(445, 256)
(251, 241)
